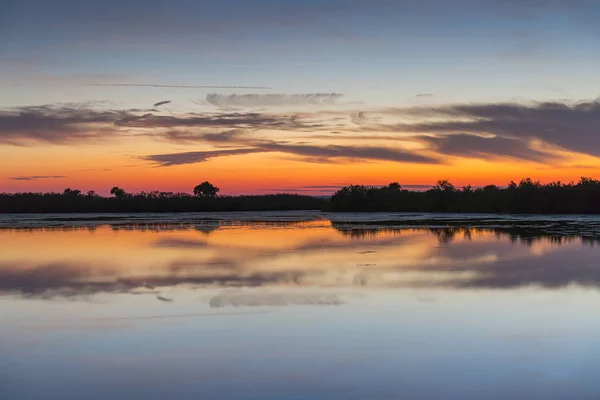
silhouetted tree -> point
(118, 192)
(206, 189)
(71, 192)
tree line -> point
(526, 197)
(205, 198)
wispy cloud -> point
(272, 100)
(473, 146)
(58, 123)
(232, 120)
(74, 123)
(35, 177)
(330, 153)
(177, 86)
(574, 127)
(310, 153)
(192, 157)
(532, 131)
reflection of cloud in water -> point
(250, 299)
(306, 254)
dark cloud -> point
(331, 152)
(161, 103)
(311, 153)
(59, 123)
(35, 177)
(574, 127)
(192, 157)
(424, 95)
(463, 145)
(74, 123)
(178, 86)
(272, 100)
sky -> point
(295, 96)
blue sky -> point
(373, 51)
(94, 67)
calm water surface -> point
(299, 306)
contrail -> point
(178, 86)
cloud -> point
(177, 86)
(311, 153)
(233, 120)
(85, 122)
(463, 145)
(192, 157)
(424, 95)
(161, 103)
(272, 100)
(59, 123)
(35, 177)
(328, 152)
(178, 136)
(532, 131)
(575, 127)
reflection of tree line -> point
(150, 227)
(446, 230)
(205, 227)
(528, 235)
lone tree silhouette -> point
(118, 192)
(206, 189)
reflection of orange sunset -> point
(307, 253)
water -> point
(299, 306)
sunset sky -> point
(302, 96)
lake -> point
(299, 305)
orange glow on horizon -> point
(100, 167)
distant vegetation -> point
(526, 197)
(204, 199)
